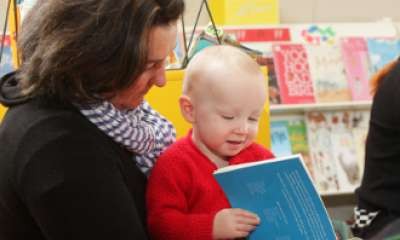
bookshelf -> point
(302, 108)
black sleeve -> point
(74, 190)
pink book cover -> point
(356, 63)
(293, 73)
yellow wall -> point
(165, 100)
(245, 12)
(2, 112)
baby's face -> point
(227, 117)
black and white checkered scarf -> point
(141, 130)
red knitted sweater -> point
(183, 196)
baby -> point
(224, 93)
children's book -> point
(273, 87)
(293, 73)
(6, 63)
(344, 150)
(280, 141)
(319, 140)
(360, 124)
(357, 66)
(299, 142)
(382, 51)
(281, 193)
(328, 74)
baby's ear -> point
(187, 110)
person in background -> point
(77, 116)
(379, 194)
(224, 93)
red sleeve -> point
(167, 206)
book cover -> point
(281, 192)
(381, 51)
(318, 133)
(293, 73)
(357, 66)
(280, 142)
(273, 87)
(360, 125)
(299, 142)
(344, 151)
(328, 74)
(6, 63)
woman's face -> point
(162, 40)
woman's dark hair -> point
(83, 50)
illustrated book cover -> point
(382, 51)
(281, 193)
(328, 74)
(6, 63)
(344, 151)
(357, 66)
(293, 74)
(280, 141)
(319, 140)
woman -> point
(379, 193)
(78, 137)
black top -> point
(380, 188)
(62, 178)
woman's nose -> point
(160, 78)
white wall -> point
(306, 11)
(3, 7)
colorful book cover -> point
(344, 151)
(293, 73)
(6, 64)
(360, 125)
(382, 51)
(281, 193)
(318, 133)
(357, 66)
(299, 142)
(280, 142)
(273, 87)
(328, 74)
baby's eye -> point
(227, 117)
(253, 119)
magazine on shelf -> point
(281, 193)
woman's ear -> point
(187, 109)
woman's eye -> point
(253, 119)
(150, 66)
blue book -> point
(280, 140)
(281, 193)
(382, 51)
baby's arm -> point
(160, 128)
(168, 194)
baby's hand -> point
(234, 223)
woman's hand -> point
(232, 223)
